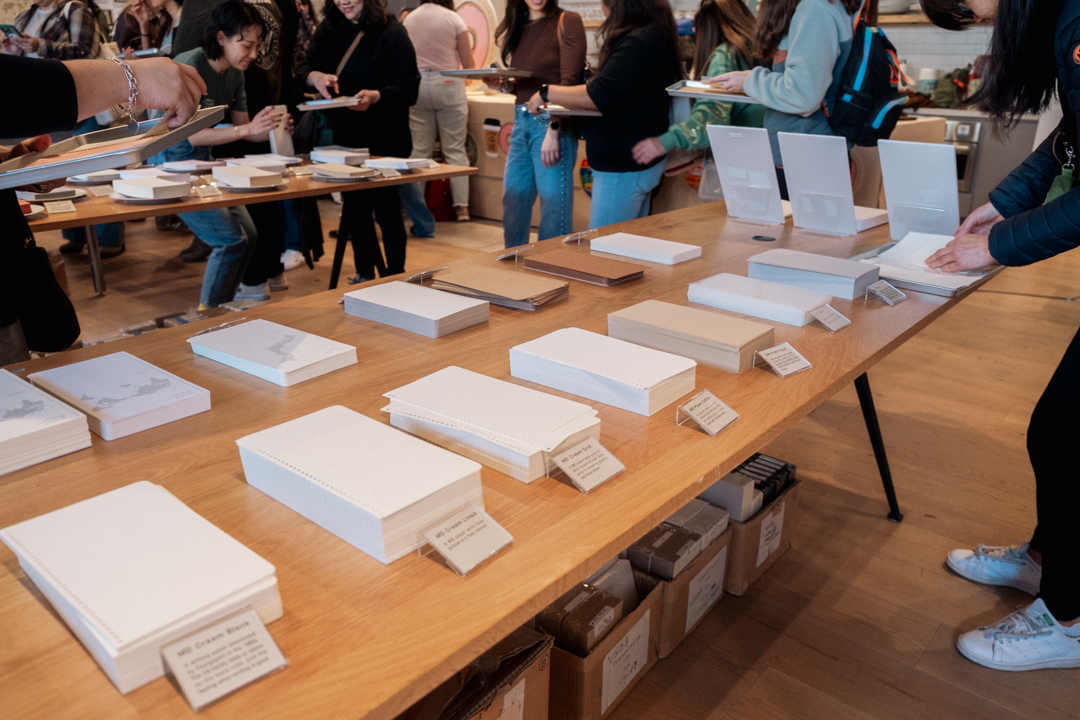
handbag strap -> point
(348, 53)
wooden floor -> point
(859, 618)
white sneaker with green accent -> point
(1010, 566)
(1028, 639)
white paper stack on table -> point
(101, 177)
(122, 395)
(418, 309)
(758, 298)
(279, 354)
(374, 487)
(640, 247)
(192, 166)
(144, 172)
(399, 164)
(60, 193)
(339, 154)
(246, 176)
(504, 426)
(269, 164)
(134, 569)
(338, 171)
(153, 187)
(34, 426)
(836, 276)
(602, 368)
(508, 288)
(715, 340)
(904, 264)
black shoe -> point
(72, 247)
(198, 251)
(333, 234)
(170, 222)
(111, 251)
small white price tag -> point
(784, 360)
(222, 658)
(831, 319)
(100, 190)
(389, 173)
(709, 412)
(772, 529)
(60, 206)
(467, 538)
(588, 464)
(208, 191)
(887, 292)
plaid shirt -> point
(67, 33)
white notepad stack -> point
(399, 164)
(759, 298)
(340, 171)
(246, 176)
(640, 247)
(122, 394)
(904, 264)
(343, 155)
(418, 309)
(271, 163)
(719, 341)
(507, 288)
(152, 188)
(34, 426)
(836, 276)
(273, 352)
(374, 487)
(601, 368)
(504, 426)
(134, 569)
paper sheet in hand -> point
(903, 264)
(343, 101)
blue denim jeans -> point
(526, 177)
(412, 199)
(621, 196)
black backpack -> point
(868, 105)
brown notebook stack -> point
(584, 267)
(502, 287)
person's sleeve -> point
(404, 85)
(813, 49)
(241, 104)
(82, 37)
(1039, 233)
(1026, 186)
(691, 133)
(615, 85)
(572, 49)
(43, 86)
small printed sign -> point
(887, 292)
(588, 464)
(624, 662)
(467, 538)
(100, 190)
(784, 360)
(772, 528)
(831, 319)
(60, 206)
(705, 589)
(709, 412)
(208, 191)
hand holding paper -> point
(966, 252)
(980, 221)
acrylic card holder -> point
(744, 163)
(920, 187)
(782, 359)
(709, 412)
(586, 464)
(819, 182)
(465, 539)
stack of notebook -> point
(153, 187)
(340, 171)
(271, 163)
(134, 569)
(34, 426)
(835, 276)
(604, 369)
(399, 164)
(338, 154)
(709, 338)
(418, 309)
(273, 352)
(502, 287)
(504, 426)
(584, 267)
(374, 487)
(191, 166)
(246, 176)
(904, 265)
(122, 394)
(759, 298)
(640, 247)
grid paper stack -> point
(415, 308)
(758, 298)
(640, 247)
(34, 426)
(835, 276)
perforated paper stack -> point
(759, 298)
(421, 310)
(835, 276)
(34, 426)
(640, 247)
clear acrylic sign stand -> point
(783, 360)
(920, 187)
(819, 182)
(744, 165)
(579, 236)
(904, 219)
(586, 464)
(465, 539)
(886, 292)
(708, 412)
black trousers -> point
(358, 226)
(265, 262)
(1051, 435)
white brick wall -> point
(926, 46)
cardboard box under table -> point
(689, 597)
(759, 542)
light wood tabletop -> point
(365, 640)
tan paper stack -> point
(151, 188)
(502, 287)
(584, 267)
(340, 170)
(245, 176)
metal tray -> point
(918, 286)
(686, 89)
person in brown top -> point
(537, 36)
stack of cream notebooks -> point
(759, 298)
(604, 369)
(508, 288)
(134, 569)
(820, 273)
(711, 339)
(374, 487)
(504, 426)
(418, 309)
(34, 426)
(122, 395)
(640, 247)
(273, 352)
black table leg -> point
(866, 400)
(339, 256)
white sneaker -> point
(252, 292)
(1028, 639)
(1010, 566)
(292, 259)
(278, 282)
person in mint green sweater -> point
(723, 42)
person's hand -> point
(129, 53)
(34, 144)
(535, 104)
(367, 98)
(27, 44)
(324, 83)
(495, 83)
(169, 86)
(265, 121)
(648, 150)
(966, 252)
(289, 125)
(980, 221)
(732, 81)
(9, 47)
(549, 148)
(141, 12)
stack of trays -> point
(247, 176)
(584, 267)
(35, 427)
(421, 310)
(640, 247)
(758, 298)
(502, 287)
(61, 193)
(338, 154)
(835, 276)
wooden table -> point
(366, 640)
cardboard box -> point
(758, 543)
(590, 688)
(665, 551)
(689, 597)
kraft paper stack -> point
(583, 266)
(759, 298)
(508, 288)
(418, 309)
(34, 426)
(820, 273)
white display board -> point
(920, 187)
(744, 163)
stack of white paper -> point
(604, 369)
(99, 177)
(502, 425)
(153, 188)
(122, 394)
(273, 352)
(34, 426)
(640, 247)
(904, 264)
(400, 164)
(759, 298)
(374, 487)
(192, 166)
(709, 338)
(246, 176)
(338, 154)
(338, 171)
(836, 276)
(144, 172)
(134, 569)
(271, 164)
(271, 157)
(418, 309)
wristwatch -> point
(544, 93)
(554, 124)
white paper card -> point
(100, 190)
(588, 464)
(784, 360)
(831, 319)
(222, 658)
(887, 292)
(705, 589)
(772, 527)
(467, 538)
(207, 191)
(60, 206)
(709, 411)
(624, 662)
(514, 702)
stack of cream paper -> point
(504, 426)
(759, 298)
(418, 309)
(153, 187)
(134, 569)
(905, 262)
(502, 287)
(374, 487)
(246, 176)
(400, 164)
(836, 276)
(34, 426)
(273, 352)
(122, 394)
(719, 341)
(338, 154)
(191, 166)
(271, 163)
(640, 247)
(339, 171)
(602, 368)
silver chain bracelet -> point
(133, 95)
